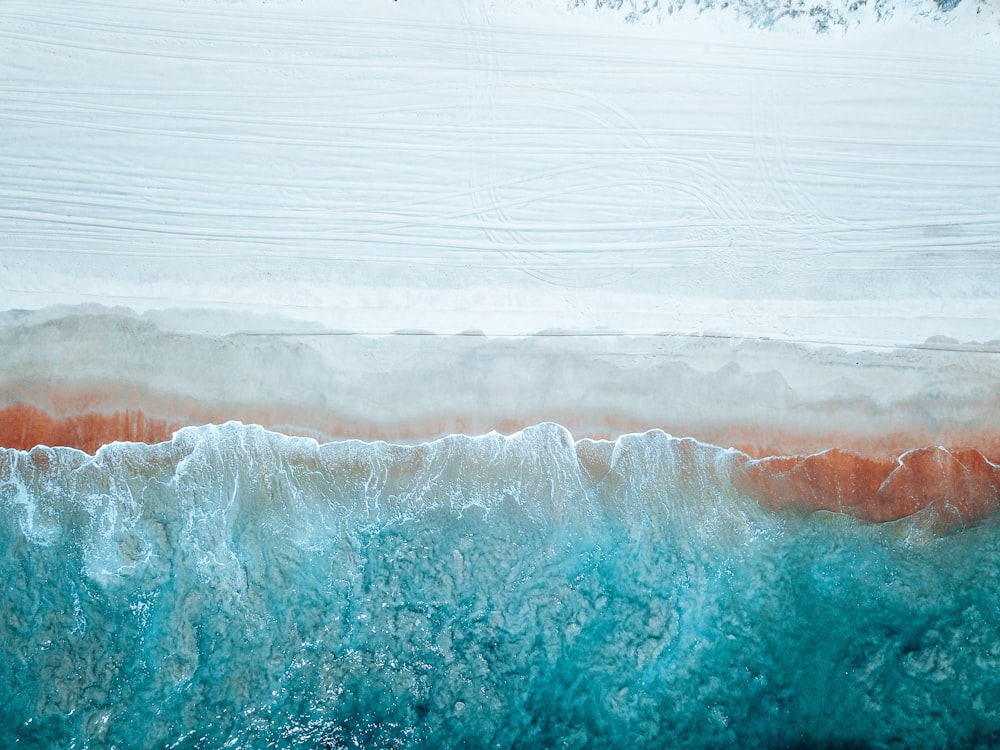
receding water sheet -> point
(510, 375)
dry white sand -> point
(510, 167)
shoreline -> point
(961, 485)
(24, 426)
(877, 434)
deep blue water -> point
(237, 588)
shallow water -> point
(240, 588)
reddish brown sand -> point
(962, 483)
(877, 479)
(24, 427)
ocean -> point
(239, 588)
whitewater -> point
(240, 588)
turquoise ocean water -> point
(237, 588)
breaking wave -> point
(239, 588)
